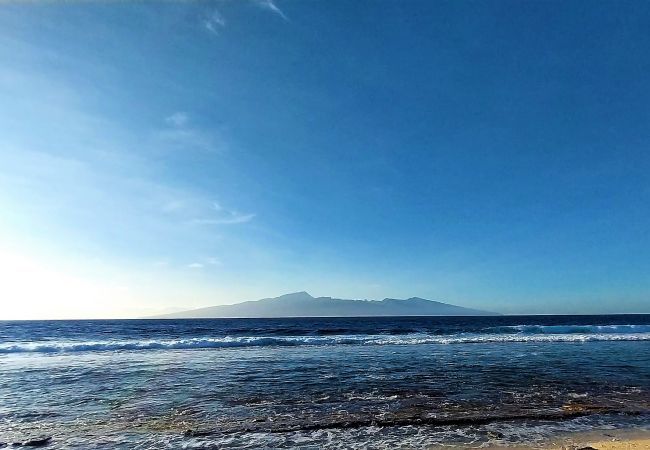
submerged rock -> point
(37, 442)
(495, 435)
(196, 433)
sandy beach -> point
(606, 440)
(596, 440)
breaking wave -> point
(578, 329)
(518, 333)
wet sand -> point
(607, 440)
(596, 440)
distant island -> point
(301, 304)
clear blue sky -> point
(492, 154)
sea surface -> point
(377, 383)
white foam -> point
(579, 329)
(238, 342)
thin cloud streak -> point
(271, 6)
(204, 262)
(232, 220)
(204, 212)
(215, 22)
(182, 134)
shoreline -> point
(622, 439)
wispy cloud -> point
(182, 133)
(173, 205)
(213, 261)
(271, 6)
(214, 22)
(203, 263)
(231, 219)
(203, 212)
(78, 184)
(178, 119)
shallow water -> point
(314, 383)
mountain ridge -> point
(302, 304)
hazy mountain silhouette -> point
(301, 304)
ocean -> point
(371, 383)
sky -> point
(167, 155)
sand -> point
(598, 440)
(606, 440)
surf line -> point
(432, 421)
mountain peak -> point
(296, 295)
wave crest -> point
(525, 335)
(579, 329)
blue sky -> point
(159, 155)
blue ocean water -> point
(388, 382)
